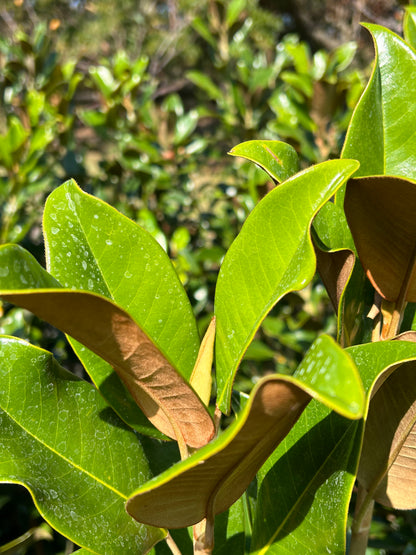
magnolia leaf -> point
(381, 134)
(380, 212)
(335, 270)
(409, 25)
(334, 249)
(61, 440)
(388, 461)
(91, 246)
(319, 456)
(272, 255)
(22, 271)
(357, 299)
(304, 488)
(161, 392)
(214, 477)
(278, 159)
(201, 377)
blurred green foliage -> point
(140, 105)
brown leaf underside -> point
(380, 212)
(334, 269)
(107, 330)
(388, 460)
(214, 484)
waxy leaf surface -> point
(272, 255)
(162, 393)
(214, 477)
(319, 456)
(90, 246)
(278, 159)
(382, 132)
(61, 440)
(381, 214)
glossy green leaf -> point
(311, 474)
(272, 255)
(213, 478)
(110, 332)
(278, 159)
(381, 135)
(313, 470)
(91, 246)
(61, 440)
(409, 25)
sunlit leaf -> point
(409, 25)
(110, 332)
(213, 478)
(79, 461)
(201, 378)
(272, 255)
(312, 472)
(91, 246)
(381, 134)
(278, 159)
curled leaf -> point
(278, 159)
(381, 134)
(380, 212)
(201, 377)
(271, 256)
(388, 461)
(160, 391)
(213, 478)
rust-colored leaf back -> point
(381, 215)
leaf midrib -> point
(304, 493)
(60, 455)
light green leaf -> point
(382, 135)
(318, 457)
(55, 438)
(409, 25)
(91, 246)
(271, 256)
(278, 159)
(111, 333)
(213, 478)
